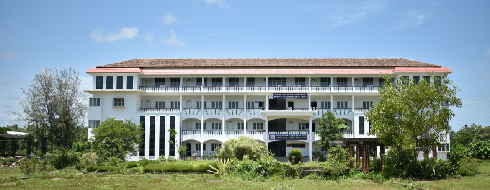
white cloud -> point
(487, 52)
(171, 39)
(8, 54)
(99, 35)
(352, 13)
(220, 3)
(169, 18)
(410, 19)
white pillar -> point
(267, 84)
(202, 146)
(310, 136)
(331, 84)
(245, 114)
(352, 104)
(266, 102)
(309, 101)
(202, 115)
(309, 84)
(147, 138)
(223, 117)
(352, 83)
(331, 103)
(267, 132)
(245, 83)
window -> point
(437, 80)
(404, 79)
(258, 126)
(142, 144)
(175, 105)
(250, 105)
(217, 81)
(94, 101)
(251, 81)
(198, 126)
(129, 82)
(174, 81)
(159, 81)
(99, 82)
(233, 81)
(342, 81)
(325, 81)
(297, 145)
(215, 146)
(198, 147)
(443, 147)
(367, 81)
(367, 105)
(108, 82)
(277, 81)
(119, 82)
(240, 126)
(381, 81)
(160, 104)
(361, 125)
(299, 81)
(199, 82)
(303, 126)
(162, 136)
(325, 105)
(198, 104)
(232, 104)
(152, 136)
(215, 126)
(342, 105)
(217, 104)
(93, 123)
(118, 102)
(416, 79)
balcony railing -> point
(342, 111)
(159, 110)
(191, 111)
(361, 110)
(295, 88)
(289, 132)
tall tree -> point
(413, 114)
(116, 139)
(330, 129)
(54, 107)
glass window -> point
(119, 82)
(251, 81)
(250, 105)
(427, 78)
(361, 125)
(233, 104)
(303, 126)
(217, 104)
(416, 79)
(325, 105)
(94, 101)
(437, 80)
(342, 81)
(93, 123)
(342, 105)
(160, 104)
(198, 147)
(175, 105)
(108, 82)
(276, 81)
(129, 82)
(198, 126)
(299, 81)
(258, 126)
(404, 79)
(240, 126)
(199, 82)
(152, 136)
(159, 81)
(325, 81)
(118, 102)
(215, 126)
(174, 81)
(233, 81)
(162, 136)
(215, 146)
(367, 105)
(217, 81)
(367, 81)
(99, 82)
(381, 81)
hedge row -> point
(200, 166)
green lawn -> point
(77, 180)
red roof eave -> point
(114, 70)
(421, 70)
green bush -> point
(61, 158)
(265, 167)
(238, 148)
(468, 167)
(480, 149)
(337, 163)
(295, 156)
(88, 158)
(375, 165)
(106, 168)
(91, 168)
(181, 166)
(34, 165)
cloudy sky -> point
(83, 34)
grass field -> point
(76, 180)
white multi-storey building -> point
(276, 101)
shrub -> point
(295, 156)
(34, 165)
(238, 148)
(181, 166)
(106, 168)
(480, 149)
(265, 167)
(91, 168)
(62, 158)
(375, 165)
(89, 158)
(469, 167)
(337, 163)
(113, 161)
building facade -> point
(279, 102)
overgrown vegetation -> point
(241, 147)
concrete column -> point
(331, 83)
(266, 102)
(309, 84)
(202, 148)
(267, 133)
(310, 135)
(180, 104)
(352, 83)
(147, 137)
(352, 104)
(224, 82)
(245, 83)
(267, 84)
(245, 114)
(309, 101)
(202, 85)
(202, 116)
(331, 103)
(223, 117)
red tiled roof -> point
(268, 62)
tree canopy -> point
(330, 129)
(54, 107)
(412, 114)
(116, 138)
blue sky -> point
(83, 34)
